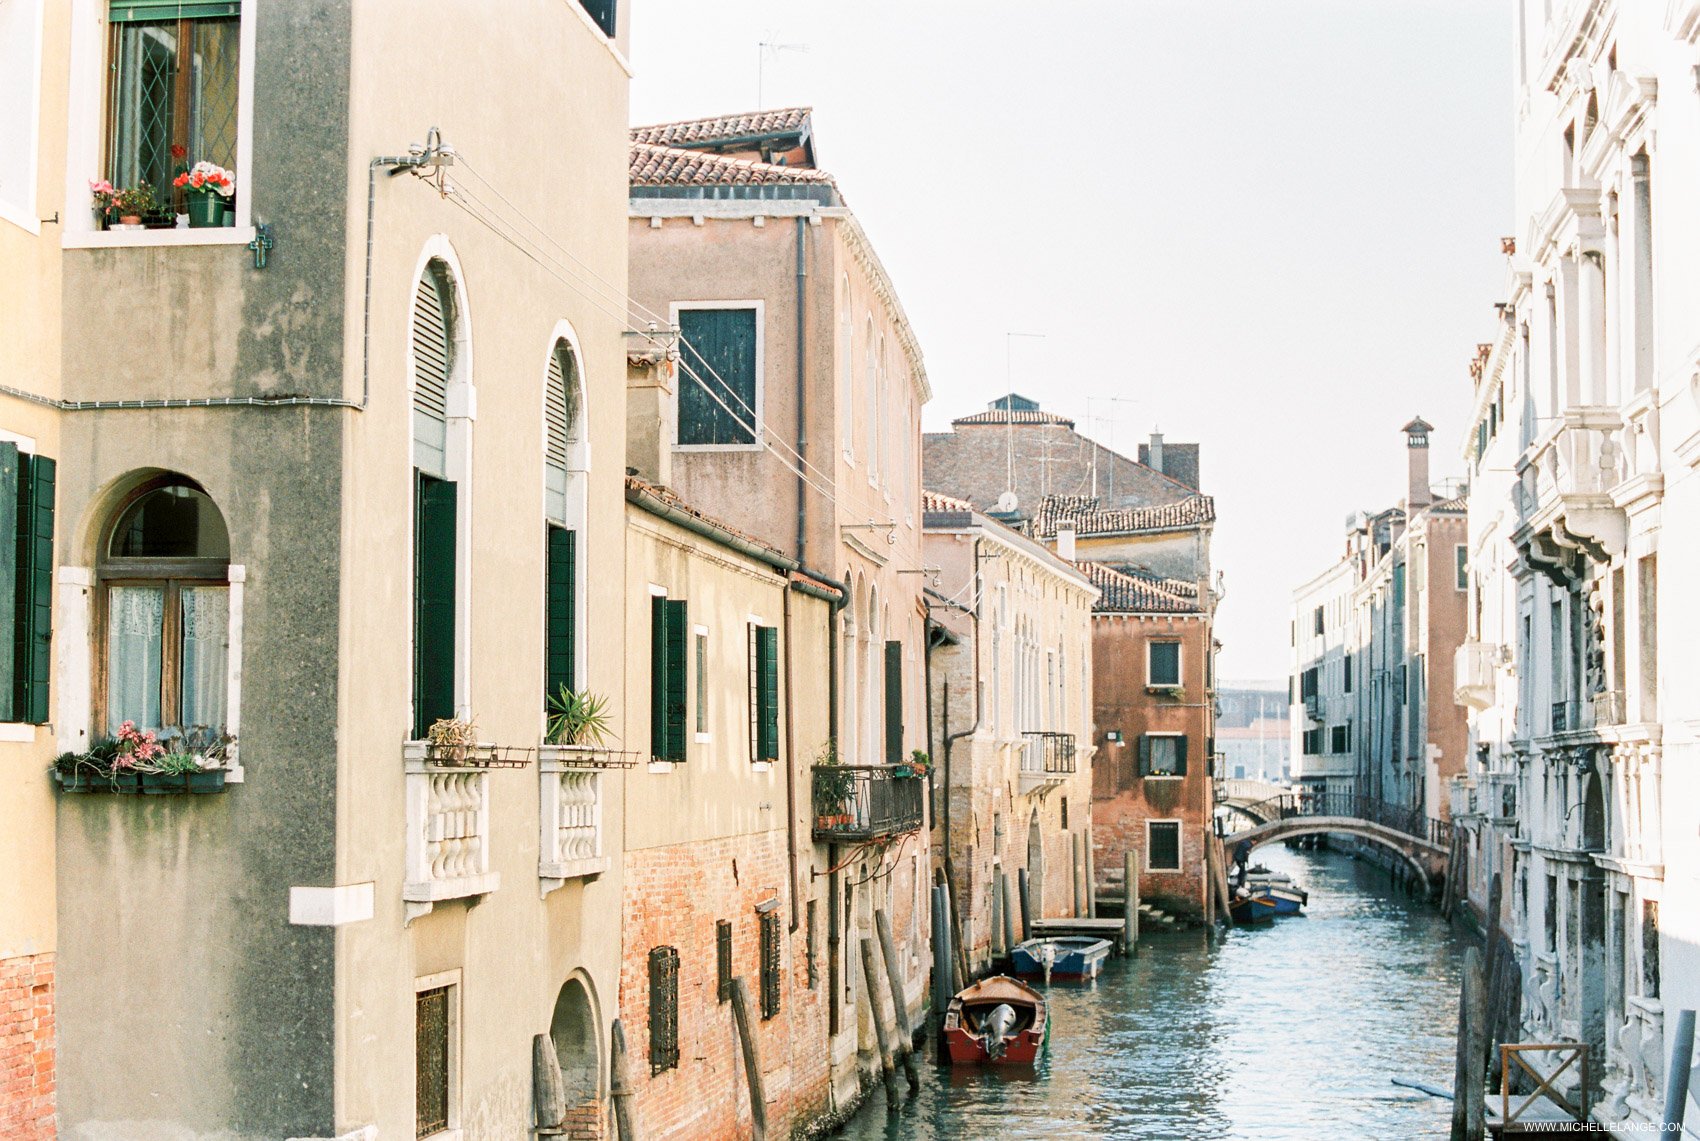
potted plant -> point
(132, 203)
(916, 765)
(450, 741)
(208, 188)
(577, 718)
(833, 788)
(102, 192)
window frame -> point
(21, 211)
(86, 118)
(760, 397)
(449, 981)
(1180, 846)
(1180, 663)
(1145, 748)
(701, 733)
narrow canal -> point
(1290, 1030)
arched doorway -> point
(573, 1030)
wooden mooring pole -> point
(899, 1000)
(942, 991)
(1026, 905)
(1007, 894)
(1470, 1075)
(620, 1084)
(752, 1061)
(881, 1038)
(1130, 904)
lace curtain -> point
(135, 620)
(206, 655)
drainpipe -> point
(802, 397)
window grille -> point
(663, 1010)
(431, 1060)
(769, 964)
(723, 960)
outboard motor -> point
(999, 1024)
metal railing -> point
(1048, 752)
(866, 802)
(1398, 817)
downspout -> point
(801, 390)
(791, 761)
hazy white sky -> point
(1270, 226)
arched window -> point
(563, 492)
(164, 573)
(870, 381)
(433, 365)
(846, 369)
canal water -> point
(1284, 1031)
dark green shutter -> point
(561, 649)
(1180, 756)
(128, 11)
(12, 591)
(434, 516)
(678, 658)
(717, 381)
(33, 624)
(767, 693)
(1144, 755)
(658, 677)
(893, 702)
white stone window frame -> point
(701, 733)
(452, 980)
(85, 115)
(1155, 735)
(1180, 847)
(1180, 664)
(758, 423)
(21, 24)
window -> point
(603, 13)
(1162, 755)
(846, 370)
(719, 391)
(1064, 807)
(701, 641)
(1162, 845)
(1308, 683)
(723, 960)
(174, 74)
(1312, 742)
(893, 702)
(561, 639)
(563, 509)
(770, 964)
(1399, 585)
(20, 105)
(1461, 555)
(663, 1010)
(1163, 664)
(436, 1049)
(165, 585)
(764, 693)
(1340, 738)
(434, 558)
(26, 583)
(667, 679)
(1318, 621)
(1346, 673)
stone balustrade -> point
(448, 828)
(570, 824)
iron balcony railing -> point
(1398, 817)
(1048, 752)
(867, 802)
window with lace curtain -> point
(165, 625)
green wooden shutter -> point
(12, 591)
(433, 361)
(434, 517)
(561, 647)
(717, 384)
(1180, 756)
(767, 693)
(658, 677)
(129, 11)
(893, 702)
(1144, 755)
(678, 658)
(33, 626)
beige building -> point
(293, 510)
(34, 46)
(1012, 709)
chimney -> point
(1065, 540)
(1418, 495)
(649, 418)
(1156, 453)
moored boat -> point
(998, 1020)
(1288, 900)
(1062, 957)
(1252, 905)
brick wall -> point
(26, 1048)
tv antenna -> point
(764, 49)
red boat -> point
(997, 1020)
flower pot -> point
(127, 782)
(76, 781)
(129, 219)
(206, 209)
(206, 782)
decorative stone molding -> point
(448, 829)
(570, 838)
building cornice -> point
(863, 251)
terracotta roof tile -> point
(1125, 591)
(933, 501)
(1091, 519)
(673, 166)
(719, 128)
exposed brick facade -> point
(26, 1048)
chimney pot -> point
(1157, 451)
(1065, 541)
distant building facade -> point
(1252, 731)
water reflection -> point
(1291, 1030)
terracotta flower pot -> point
(129, 219)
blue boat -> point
(1062, 956)
(1287, 900)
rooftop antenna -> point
(1112, 422)
(764, 49)
(1009, 405)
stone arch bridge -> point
(1287, 814)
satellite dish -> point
(1006, 502)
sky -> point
(1268, 226)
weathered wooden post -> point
(881, 1037)
(1470, 1076)
(1009, 909)
(899, 1000)
(620, 1084)
(1130, 916)
(1026, 904)
(996, 918)
(1091, 879)
(752, 1061)
(548, 1092)
(942, 991)
(1676, 1074)
(1079, 875)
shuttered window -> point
(723, 960)
(663, 1009)
(764, 693)
(433, 360)
(561, 638)
(560, 408)
(1163, 663)
(434, 517)
(1163, 846)
(667, 678)
(26, 583)
(717, 386)
(893, 702)
(770, 964)
(1162, 756)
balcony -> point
(1475, 669)
(1579, 465)
(448, 830)
(1046, 758)
(866, 802)
(571, 842)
